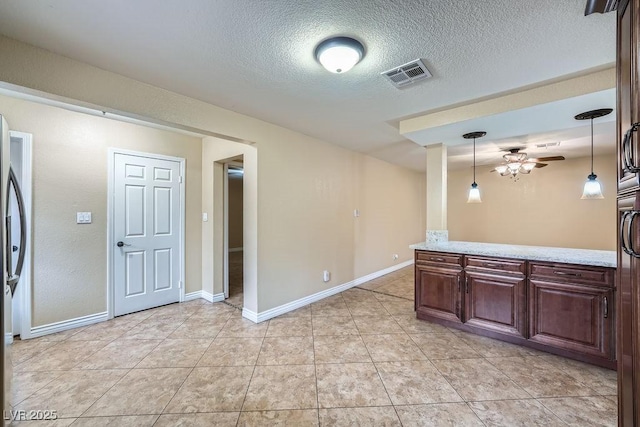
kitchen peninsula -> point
(558, 300)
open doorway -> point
(233, 225)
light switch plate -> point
(83, 217)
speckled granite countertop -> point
(533, 253)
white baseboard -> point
(251, 315)
(192, 296)
(65, 325)
(293, 305)
(240, 249)
(207, 296)
(8, 338)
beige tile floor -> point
(357, 358)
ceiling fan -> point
(517, 162)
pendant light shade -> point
(474, 191)
(592, 188)
(474, 194)
(339, 54)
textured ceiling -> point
(256, 56)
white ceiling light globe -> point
(339, 54)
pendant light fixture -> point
(592, 188)
(474, 191)
(339, 54)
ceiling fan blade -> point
(549, 159)
(541, 165)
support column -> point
(436, 193)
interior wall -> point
(541, 209)
(69, 175)
(303, 214)
(235, 211)
(306, 200)
(392, 202)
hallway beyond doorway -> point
(236, 294)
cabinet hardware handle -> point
(490, 265)
(606, 307)
(566, 273)
(627, 245)
(631, 250)
(437, 259)
(466, 283)
(623, 221)
(627, 155)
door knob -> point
(121, 244)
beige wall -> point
(70, 175)
(305, 190)
(392, 205)
(542, 209)
(235, 212)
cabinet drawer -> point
(597, 276)
(453, 260)
(496, 265)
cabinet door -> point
(496, 302)
(628, 303)
(626, 114)
(572, 317)
(438, 292)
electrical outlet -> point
(395, 257)
(326, 275)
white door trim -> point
(26, 186)
(110, 217)
(225, 232)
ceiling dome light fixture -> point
(339, 54)
(474, 191)
(592, 188)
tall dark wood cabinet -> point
(628, 268)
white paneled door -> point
(146, 232)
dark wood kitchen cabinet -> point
(571, 307)
(495, 295)
(566, 309)
(628, 271)
(442, 299)
(628, 311)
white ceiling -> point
(256, 56)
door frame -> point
(225, 235)
(112, 151)
(225, 221)
(26, 185)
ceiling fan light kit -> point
(339, 54)
(592, 188)
(474, 191)
(519, 163)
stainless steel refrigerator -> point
(10, 279)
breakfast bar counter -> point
(558, 300)
(532, 253)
